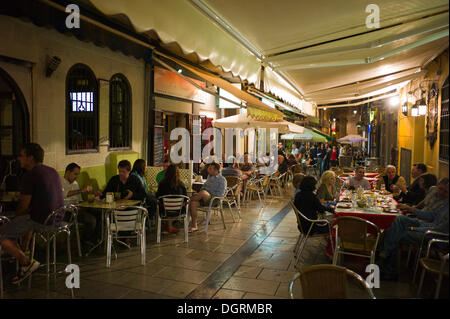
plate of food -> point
(344, 205)
(384, 192)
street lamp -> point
(405, 109)
(422, 107)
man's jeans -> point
(395, 235)
(320, 165)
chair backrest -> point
(232, 181)
(63, 214)
(353, 233)
(265, 180)
(173, 204)
(130, 218)
(297, 215)
(327, 282)
(297, 168)
(3, 220)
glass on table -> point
(90, 198)
(109, 197)
(117, 195)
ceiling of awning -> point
(319, 50)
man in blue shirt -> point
(214, 186)
(411, 230)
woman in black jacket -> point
(309, 205)
(171, 185)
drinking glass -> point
(109, 197)
(90, 198)
(117, 195)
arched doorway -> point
(14, 129)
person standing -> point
(313, 153)
(302, 151)
(40, 195)
(334, 157)
(321, 152)
(327, 160)
(294, 149)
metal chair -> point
(258, 186)
(354, 239)
(232, 195)
(297, 168)
(3, 220)
(59, 221)
(130, 220)
(173, 207)
(275, 181)
(312, 169)
(326, 282)
(215, 204)
(435, 266)
(303, 238)
(429, 234)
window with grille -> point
(81, 110)
(444, 132)
(119, 112)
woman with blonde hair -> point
(327, 188)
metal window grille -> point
(81, 109)
(444, 130)
(120, 112)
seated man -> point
(72, 196)
(71, 189)
(390, 179)
(433, 216)
(282, 164)
(41, 194)
(246, 167)
(215, 186)
(413, 194)
(358, 180)
(129, 186)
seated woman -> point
(327, 188)
(171, 185)
(309, 205)
(291, 160)
(139, 171)
(296, 181)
